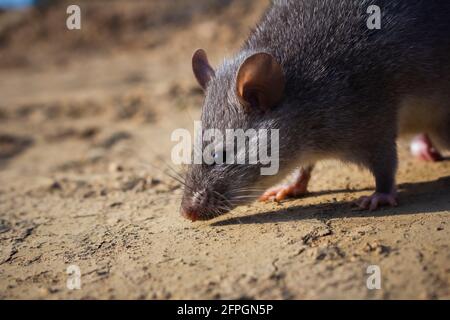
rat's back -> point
(309, 35)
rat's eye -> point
(220, 157)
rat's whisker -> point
(177, 173)
(249, 189)
(148, 164)
(222, 197)
(244, 197)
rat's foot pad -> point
(376, 200)
(297, 188)
(422, 148)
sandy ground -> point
(83, 140)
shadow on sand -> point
(422, 197)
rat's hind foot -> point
(377, 199)
(296, 188)
(423, 149)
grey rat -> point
(334, 88)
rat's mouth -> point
(190, 215)
(194, 215)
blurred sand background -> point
(85, 121)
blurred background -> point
(85, 123)
(128, 66)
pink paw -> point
(377, 199)
(423, 149)
(282, 192)
(297, 187)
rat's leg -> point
(382, 162)
(423, 149)
(296, 187)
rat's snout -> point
(202, 205)
(194, 205)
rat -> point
(334, 88)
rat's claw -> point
(377, 199)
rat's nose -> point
(190, 214)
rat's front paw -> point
(377, 199)
(295, 188)
(282, 192)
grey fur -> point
(345, 88)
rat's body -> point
(347, 93)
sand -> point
(84, 138)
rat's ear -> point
(202, 70)
(260, 82)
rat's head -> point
(240, 97)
